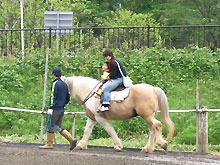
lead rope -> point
(48, 123)
(91, 93)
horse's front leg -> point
(111, 131)
(87, 132)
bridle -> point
(91, 93)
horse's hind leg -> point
(111, 131)
(155, 131)
(87, 132)
(159, 138)
(150, 144)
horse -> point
(143, 100)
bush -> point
(175, 71)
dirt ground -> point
(30, 154)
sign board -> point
(58, 20)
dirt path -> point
(29, 154)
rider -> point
(105, 77)
(115, 76)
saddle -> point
(119, 94)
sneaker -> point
(99, 92)
(104, 108)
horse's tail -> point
(164, 111)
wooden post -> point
(197, 109)
(202, 131)
(201, 125)
(73, 127)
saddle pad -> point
(119, 96)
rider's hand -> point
(50, 112)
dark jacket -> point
(114, 71)
(59, 96)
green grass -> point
(136, 142)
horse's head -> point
(63, 78)
(79, 87)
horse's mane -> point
(85, 80)
(80, 86)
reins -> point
(91, 93)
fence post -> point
(202, 131)
(50, 37)
(6, 43)
(148, 36)
(44, 97)
(201, 125)
(73, 126)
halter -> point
(91, 93)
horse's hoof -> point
(164, 146)
(78, 148)
(145, 150)
(119, 149)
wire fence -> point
(108, 37)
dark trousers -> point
(56, 121)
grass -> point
(136, 142)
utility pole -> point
(22, 27)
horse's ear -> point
(63, 78)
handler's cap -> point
(57, 71)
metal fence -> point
(109, 37)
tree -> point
(189, 12)
(209, 10)
(10, 14)
(125, 17)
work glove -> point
(50, 111)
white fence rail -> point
(201, 129)
(43, 113)
(37, 111)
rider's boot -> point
(99, 92)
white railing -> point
(43, 113)
(201, 126)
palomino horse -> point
(143, 100)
